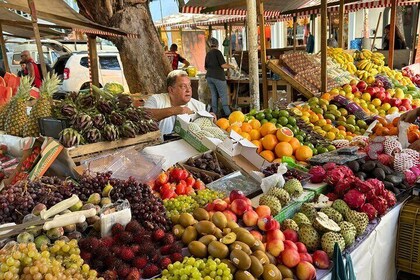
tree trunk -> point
(400, 20)
(143, 58)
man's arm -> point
(184, 61)
(160, 114)
(31, 72)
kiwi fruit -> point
(178, 230)
(271, 272)
(219, 219)
(285, 271)
(262, 256)
(243, 275)
(226, 231)
(256, 268)
(239, 229)
(175, 219)
(201, 214)
(240, 259)
(232, 225)
(231, 266)
(217, 249)
(190, 234)
(229, 238)
(246, 238)
(271, 258)
(258, 245)
(197, 249)
(240, 246)
(205, 227)
(186, 219)
(206, 239)
(218, 233)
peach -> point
(230, 216)
(290, 234)
(275, 247)
(305, 271)
(236, 194)
(250, 218)
(267, 223)
(239, 206)
(305, 257)
(263, 210)
(209, 206)
(219, 205)
(275, 234)
(301, 247)
(211, 214)
(290, 245)
(290, 258)
(248, 201)
(227, 200)
(257, 235)
(321, 259)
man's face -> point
(23, 66)
(181, 91)
(24, 56)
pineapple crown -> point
(49, 85)
(24, 89)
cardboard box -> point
(50, 151)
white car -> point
(73, 69)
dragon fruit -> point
(329, 166)
(374, 149)
(332, 196)
(370, 195)
(342, 186)
(390, 198)
(363, 186)
(337, 174)
(416, 170)
(385, 159)
(369, 210)
(380, 204)
(354, 199)
(410, 177)
(377, 185)
(318, 174)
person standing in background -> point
(22, 70)
(31, 68)
(215, 64)
(175, 58)
(399, 40)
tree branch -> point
(108, 7)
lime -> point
(314, 151)
(284, 113)
(247, 118)
(268, 111)
(263, 121)
(278, 125)
(310, 145)
(273, 120)
(253, 112)
(330, 117)
(299, 137)
(303, 133)
(292, 121)
(331, 148)
(361, 124)
(276, 113)
(260, 116)
(283, 121)
(268, 116)
(322, 150)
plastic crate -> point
(408, 236)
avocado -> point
(379, 174)
(386, 169)
(368, 166)
(395, 180)
(388, 185)
(354, 166)
(361, 175)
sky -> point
(169, 7)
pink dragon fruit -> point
(377, 185)
(331, 196)
(342, 186)
(370, 195)
(329, 166)
(363, 186)
(390, 198)
(410, 177)
(416, 170)
(346, 171)
(354, 199)
(385, 159)
(318, 174)
(369, 210)
(334, 176)
(374, 149)
(380, 204)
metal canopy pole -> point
(263, 48)
(3, 50)
(392, 34)
(323, 45)
(341, 25)
(254, 83)
(34, 20)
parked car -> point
(74, 70)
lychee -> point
(176, 257)
(158, 234)
(117, 228)
(150, 271)
(164, 262)
(133, 226)
(140, 262)
(126, 253)
(168, 239)
(123, 270)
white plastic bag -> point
(402, 135)
(275, 180)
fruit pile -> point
(344, 59)
(364, 195)
(102, 116)
(204, 127)
(274, 138)
(289, 175)
(385, 128)
(131, 252)
(60, 261)
(208, 162)
(415, 78)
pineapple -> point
(3, 113)
(16, 114)
(43, 106)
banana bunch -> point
(344, 59)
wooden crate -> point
(83, 152)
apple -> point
(402, 108)
(395, 102)
(387, 97)
(274, 234)
(305, 271)
(230, 216)
(362, 85)
(321, 259)
(275, 247)
(290, 258)
(250, 218)
(209, 206)
(263, 210)
(301, 247)
(219, 205)
(405, 102)
(267, 223)
(248, 201)
(380, 95)
(353, 82)
(239, 206)
(227, 199)
(370, 90)
(305, 257)
(236, 194)
(290, 234)
(354, 89)
(288, 244)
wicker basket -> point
(408, 238)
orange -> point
(236, 117)
(395, 121)
(235, 128)
(303, 153)
(340, 127)
(258, 144)
(284, 134)
(268, 128)
(255, 124)
(245, 135)
(283, 149)
(246, 127)
(326, 96)
(223, 123)
(393, 131)
(269, 142)
(295, 143)
(277, 160)
(267, 155)
(412, 136)
(255, 134)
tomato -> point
(180, 189)
(199, 185)
(162, 178)
(190, 181)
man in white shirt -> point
(165, 107)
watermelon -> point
(2, 82)
(5, 94)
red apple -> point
(267, 223)
(413, 106)
(230, 216)
(321, 259)
(402, 108)
(354, 89)
(248, 201)
(301, 247)
(239, 206)
(275, 234)
(370, 90)
(220, 205)
(250, 218)
(290, 258)
(227, 199)
(387, 97)
(290, 234)
(380, 95)
(362, 85)
(288, 244)
(305, 257)
(305, 271)
(275, 247)
(235, 194)
(209, 206)
(405, 102)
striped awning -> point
(183, 20)
(238, 12)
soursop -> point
(359, 219)
(289, 224)
(301, 219)
(332, 214)
(309, 210)
(309, 236)
(348, 231)
(272, 202)
(328, 241)
(216, 132)
(293, 187)
(202, 133)
(203, 122)
(194, 128)
(324, 224)
(341, 206)
(282, 195)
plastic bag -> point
(339, 271)
(118, 212)
(275, 180)
(402, 135)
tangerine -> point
(267, 155)
(246, 127)
(412, 137)
(277, 160)
(258, 144)
(255, 124)
(395, 121)
(295, 143)
(255, 134)
(303, 153)
(223, 123)
(393, 131)
(245, 135)
(236, 117)
(283, 149)
(235, 128)
(269, 142)
(284, 134)
(268, 128)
